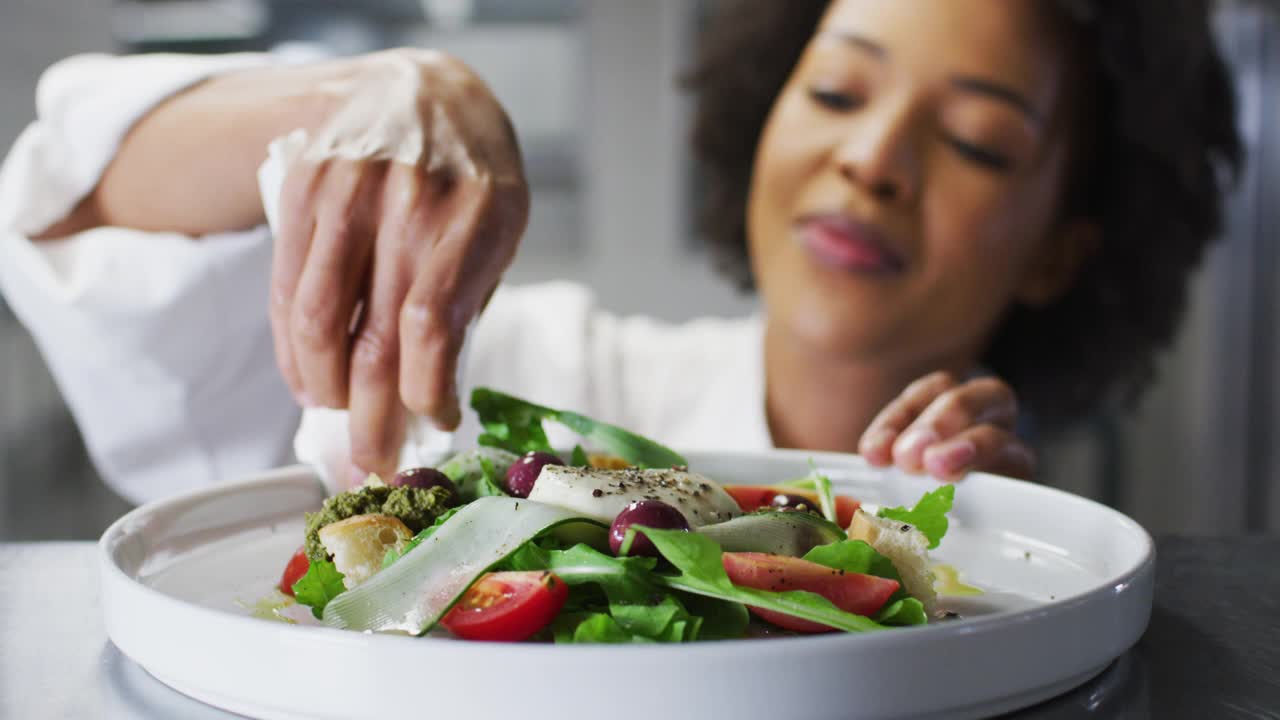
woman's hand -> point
(397, 221)
(947, 428)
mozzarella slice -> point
(602, 494)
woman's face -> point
(908, 181)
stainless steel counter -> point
(1212, 649)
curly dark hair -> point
(1163, 146)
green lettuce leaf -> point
(859, 557)
(905, 611)
(535, 555)
(321, 584)
(489, 483)
(929, 516)
(801, 483)
(854, 556)
(416, 540)
(516, 425)
(635, 602)
(478, 473)
(698, 560)
(721, 619)
(510, 423)
(592, 627)
(826, 498)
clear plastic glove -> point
(396, 220)
(947, 428)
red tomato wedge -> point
(507, 606)
(755, 497)
(293, 572)
(851, 592)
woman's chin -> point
(841, 333)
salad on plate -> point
(624, 543)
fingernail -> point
(357, 477)
(911, 444)
(879, 439)
(877, 445)
(304, 400)
(950, 459)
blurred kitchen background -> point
(590, 85)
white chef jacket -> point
(161, 343)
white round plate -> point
(1068, 588)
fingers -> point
(418, 243)
(943, 427)
(440, 304)
(985, 448)
(977, 402)
(377, 419)
(878, 440)
(289, 253)
(331, 281)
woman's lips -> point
(841, 242)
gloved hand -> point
(396, 220)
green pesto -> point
(417, 508)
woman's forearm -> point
(190, 164)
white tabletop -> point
(55, 659)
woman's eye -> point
(834, 100)
(980, 155)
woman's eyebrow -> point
(965, 83)
(999, 92)
(867, 45)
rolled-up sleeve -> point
(159, 342)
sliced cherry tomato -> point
(751, 497)
(507, 606)
(293, 572)
(756, 497)
(852, 592)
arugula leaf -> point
(929, 516)
(510, 423)
(826, 499)
(592, 627)
(529, 556)
(620, 588)
(476, 473)
(855, 556)
(682, 630)
(637, 450)
(800, 483)
(721, 619)
(321, 584)
(416, 540)
(579, 458)
(488, 484)
(516, 425)
(698, 558)
(906, 611)
(637, 605)
(581, 563)
(859, 557)
(599, 626)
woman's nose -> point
(879, 155)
